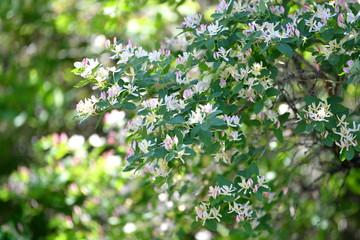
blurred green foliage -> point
(40, 40)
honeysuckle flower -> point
(215, 213)
(182, 59)
(150, 103)
(233, 121)
(201, 30)
(214, 28)
(235, 136)
(162, 170)
(202, 213)
(182, 80)
(257, 68)
(208, 108)
(131, 89)
(262, 181)
(187, 94)
(227, 190)
(154, 56)
(201, 87)
(222, 7)
(341, 121)
(350, 64)
(144, 145)
(197, 117)
(135, 124)
(87, 108)
(214, 191)
(223, 156)
(76, 142)
(319, 112)
(191, 21)
(223, 53)
(277, 10)
(244, 185)
(169, 142)
(180, 155)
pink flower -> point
(187, 94)
(107, 44)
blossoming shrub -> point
(259, 75)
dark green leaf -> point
(285, 49)
(129, 106)
(177, 119)
(278, 134)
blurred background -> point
(62, 180)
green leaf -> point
(177, 119)
(300, 127)
(253, 169)
(237, 88)
(229, 198)
(327, 35)
(99, 120)
(217, 122)
(194, 224)
(159, 152)
(310, 99)
(82, 83)
(247, 227)
(210, 44)
(285, 49)
(211, 224)
(309, 127)
(221, 180)
(278, 134)
(328, 141)
(258, 196)
(262, 6)
(284, 117)
(102, 104)
(205, 137)
(350, 154)
(272, 92)
(320, 127)
(258, 106)
(334, 59)
(129, 106)
(170, 156)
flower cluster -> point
(318, 112)
(227, 197)
(347, 136)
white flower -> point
(235, 136)
(96, 141)
(226, 190)
(262, 181)
(319, 112)
(214, 191)
(233, 121)
(154, 56)
(245, 185)
(76, 142)
(144, 145)
(208, 108)
(87, 107)
(214, 29)
(223, 53)
(192, 21)
(197, 117)
(214, 213)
